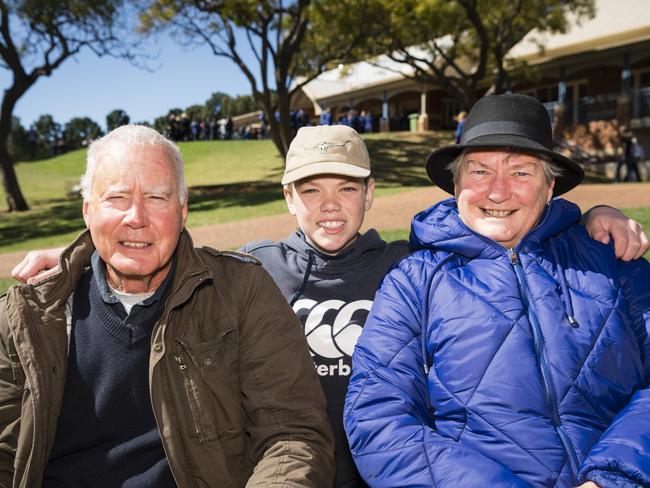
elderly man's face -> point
(502, 195)
(135, 216)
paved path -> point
(388, 213)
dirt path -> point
(388, 213)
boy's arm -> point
(603, 222)
(37, 265)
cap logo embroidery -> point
(323, 147)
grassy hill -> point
(228, 181)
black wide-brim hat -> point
(510, 122)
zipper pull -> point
(514, 259)
(573, 322)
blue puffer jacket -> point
(483, 366)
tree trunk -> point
(15, 199)
(280, 131)
(274, 131)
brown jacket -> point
(234, 391)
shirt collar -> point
(99, 274)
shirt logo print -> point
(337, 339)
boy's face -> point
(329, 209)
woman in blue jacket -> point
(511, 350)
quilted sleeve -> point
(387, 419)
(621, 457)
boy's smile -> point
(329, 209)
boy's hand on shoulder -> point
(604, 223)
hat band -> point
(503, 127)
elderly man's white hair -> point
(136, 137)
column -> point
(624, 101)
(423, 119)
(384, 123)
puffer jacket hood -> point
(441, 227)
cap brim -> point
(325, 168)
(572, 172)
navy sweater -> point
(107, 433)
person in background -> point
(328, 271)
(460, 123)
(325, 117)
(509, 349)
(628, 158)
(145, 361)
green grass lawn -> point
(228, 181)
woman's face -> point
(502, 195)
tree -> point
(80, 131)
(116, 118)
(36, 37)
(47, 129)
(195, 112)
(460, 44)
(291, 41)
(223, 105)
(217, 104)
(21, 143)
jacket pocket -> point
(211, 380)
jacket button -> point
(207, 361)
(157, 347)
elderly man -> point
(147, 362)
(511, 349)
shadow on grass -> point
(398, 163)
(55, 217)
(249, 193)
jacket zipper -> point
(538, 339)
(189, 392)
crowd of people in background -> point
(183, 128)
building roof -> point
(617, 23)
(352, 77)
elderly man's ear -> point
(604, 223)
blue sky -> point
(91, 86)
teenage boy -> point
(329, 272)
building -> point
(599, 70)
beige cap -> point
(326, 149)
